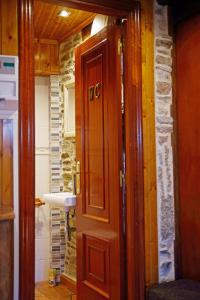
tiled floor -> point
(44, 292)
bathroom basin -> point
(60, 199)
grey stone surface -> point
(164, 130)
(163, 88)
(163, 60)
(70, 255)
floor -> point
(44, 292)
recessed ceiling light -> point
(64, 13)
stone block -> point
(163, 88)
(163, 60)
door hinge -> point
(120, 45)
(121, 178)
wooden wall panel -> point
(46, 57)
(54, 55)
(148, 110)
(6, 164)
(9, 28)
(6, 158)
(6, 260)
(6, 210)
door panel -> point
(96, 156)
(6, 209)
(99, 150)
(188, 110)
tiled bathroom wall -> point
(42, 235)
(57, 214)
(56, 127)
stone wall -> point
(67, 58)
(70, 254)
(164, 130)
(67, 65)
(68, 162)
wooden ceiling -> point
(48, 25)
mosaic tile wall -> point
(56, 131)
(164, 131)
(58, 236)
(57, 215)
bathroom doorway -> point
(76, 163)
(98, 250)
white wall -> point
(42, 176)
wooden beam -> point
(107, 7)
(78, 28)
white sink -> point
(60, 199)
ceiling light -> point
(64, 13)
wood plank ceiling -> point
(48, 25)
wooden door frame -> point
(135, 265)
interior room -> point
(58, 31)
(118, 184)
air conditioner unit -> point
(8, 85)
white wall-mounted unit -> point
(8, 85)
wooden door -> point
(99, 151)
(188, 112)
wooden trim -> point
(121, 8)
(134, 157)
(177, 243)
(26, 152)
(149, 145)
(69, 283)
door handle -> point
(78, 177)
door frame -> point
(135, 256)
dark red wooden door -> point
(188, 110)
(99, 151)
